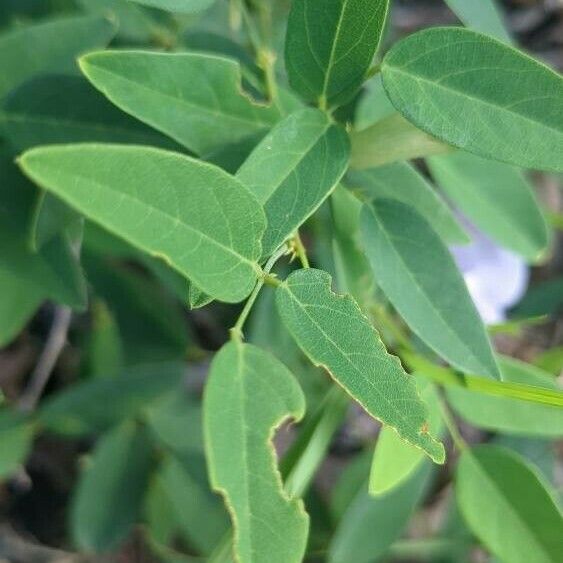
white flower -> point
(496, 278)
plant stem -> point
(236, 331)
(451, 425)
(300, 250)
(260, 39)
(47, 360)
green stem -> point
(451, 425)
(236, 331)
(449, 378)
(300, 250)
(260, 39)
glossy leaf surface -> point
(414, 268)
(476, 93)
(333, 332)
(168, 205)
(248, 395)
(330, 45)
(293, 170)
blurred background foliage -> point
(107, 456)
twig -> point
(236, 331)
(47, 360)
(299, 249)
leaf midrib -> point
(511, 507)
(182, 101)
(296, 164)
(333, 49)
(480, 101)
(158, 211)
(345, 356)
(450, 329)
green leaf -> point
(28, 278)
(16, 437)
(496, 198)
(330, 45)
(151, 324)
(374, 105)
(248, 395)
(197, 211)
(450, 378)
(39, 113)
(109, 495)
(370, 525)
(293, 170)
(507, 506)
(551, 360)
(51, 217)
(353, 272)
(538, 452)
(488, 99)
(18, 303)
(333, 333)
(54, 273)
(544, 298)
(105, 347)
(392, 139)
(510, 415)
(176, 423)
(306, 454)
(195, 99)
(394, 461)
(200, 515)
(402, 182)
(77, 410)
(414, 268)
(101, 242)
(484, 16)
(135, 23)
(48, 46)
(178, 6)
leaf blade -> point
(198, 206)
(405, 254)
(158, 89)
(236, 422)
(495, 478)
(500, 105)
(293, 170)
(49, 46)
(330, 45)
(497, 198)
(306, 290)
(403, 182)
